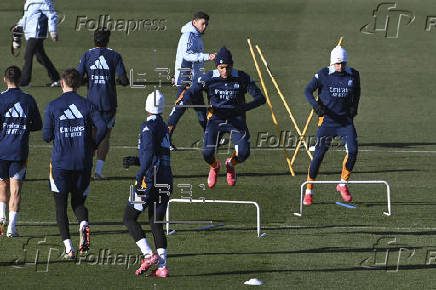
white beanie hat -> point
(338, 55)
(155, 102)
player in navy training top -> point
(154, 184)
(100, 64)
(226, 88)
(68, 121)
(339, 92)
(19, 115)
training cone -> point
(253, 281)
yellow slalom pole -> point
(303, 134)
(288, 160)
(283, 99)
(340, 41)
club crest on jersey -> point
(350, 83)
(236, 86)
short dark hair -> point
(13, 74)
(71, 78)
(201, 15)
(101, 36)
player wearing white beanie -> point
(155, 102)
(155, 168)
(339, 93)
(338, 55)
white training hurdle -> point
(189, 200)
(388, 191)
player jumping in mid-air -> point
(100, 65)
(154, 184)
(339, 92)
(188, 68)
(226, 88)
(68, 121)
(19, 115)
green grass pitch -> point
(330, 246)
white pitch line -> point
(357, 227)
(293, 149)
(264, 149)
(396, 151)
(52, 223)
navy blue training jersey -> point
(226, 96)
(337, 91)
(101, 64)
(154, 151)
(68, 121)
(19, 115)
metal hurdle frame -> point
(188, 200)
(388, 191)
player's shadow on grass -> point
(397, 203)
(351, 269)
(370, 171)
(132, 178)
(303, 173)
(324, 250)
(389, 233)
(29, 264)
(397, 145)
(249, 174)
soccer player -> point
(100, 65)
(154, 184)
(19, 115)
(68, 122)
(226, 88)
(38, 20)
(339, 92)
(189, 67)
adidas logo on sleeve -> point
(71, 113)
(15, 112)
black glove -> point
(352, 112)
(17, 32)
(130, 161)
(123, 81)
(319, 110)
